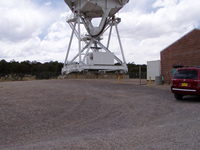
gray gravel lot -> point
(95, 115)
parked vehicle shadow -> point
(191, 99)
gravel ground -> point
(95, 115)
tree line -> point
(18, 70)
(133, 71)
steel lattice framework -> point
(92, 54)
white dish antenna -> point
(84, 11)
(89, 9)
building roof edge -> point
(195, 29)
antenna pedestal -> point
(92, 54)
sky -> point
(36, 30)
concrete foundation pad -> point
(94, 76)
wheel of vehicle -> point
(178, 96)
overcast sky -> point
(36, 29)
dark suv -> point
(186, 81)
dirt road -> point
(95, 115)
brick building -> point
(184, 52)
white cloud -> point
(23, 27)
(151, 32)
(20, 20)
(31, 31)
(48, 3)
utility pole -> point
(140, 74)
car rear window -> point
(186, 74)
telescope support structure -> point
(91, 52)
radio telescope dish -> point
(91, 56)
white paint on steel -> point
(83, 13)
(100, 58)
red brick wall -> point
(185, 51)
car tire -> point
(178, 96)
